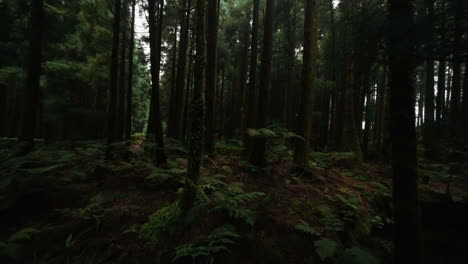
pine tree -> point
(403, 132)
(257, 157)
(31, 101)
(196, 106)
(308, 79)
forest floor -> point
(65, 203)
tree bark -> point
(211, 75)
(111, 129)
(174, 126)
(309, 69)
(251, 89)
(197, 105)
(455, 93)
(428, 128)
(128, 126)
(155, 130)
(31, 100)
(257, 156)
(121, 93)
(403, 133)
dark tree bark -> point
(368, 116)
(257, 156)
(111, 129)
(31, 100)
(403, 133)
(121, 92)
(211, 76)
(155, 130)
(440, 99)
(174, 125)
(251, 89)
(455, 123)
(243, 70)
(128, 121)
(465, 105)
(197, 104)
(309, 69)
(428, 130)
(332, 74)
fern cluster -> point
(208, 246)
(221, 196)
(160, 223)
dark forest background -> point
(282, 131)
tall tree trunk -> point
(197, 104)
(309, 69)
(251, 89)
(111, 128)
(465, 105)
(428, 130)
(174, 125)
(257, 156)
(368, 116)
(31, 100)
(211, 77)
(440, 100)
(403, 133)
(155, 130)
(334, 92)
(243, 68)
(121, 94)
(455, 99)
(128, 121)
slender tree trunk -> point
(121, 94)
(257, 157)
(429, 94)
(31, 101)
(197, 104)
(243, 70)
(403, 133)
(155, 130)
(455, 99)
(111, 128)
(211, 77)
(251, 89)
(368, 109)
(465, 105)
(440, 99)
(309, 69)
(128, 126)
(174, 128)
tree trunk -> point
(31, 100)
(128, 126)
(155, 130)
(174, 126)
(257, 156)
(465, 105)
(403, 133)
(309, 69)
(197, 104)
(428, 130)
(111, 128)
(455, 99)
(121, 94)
(211, 77)
(251, 89)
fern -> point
(307, 229)
(161, 222)
(217, 241)
(227, 197)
